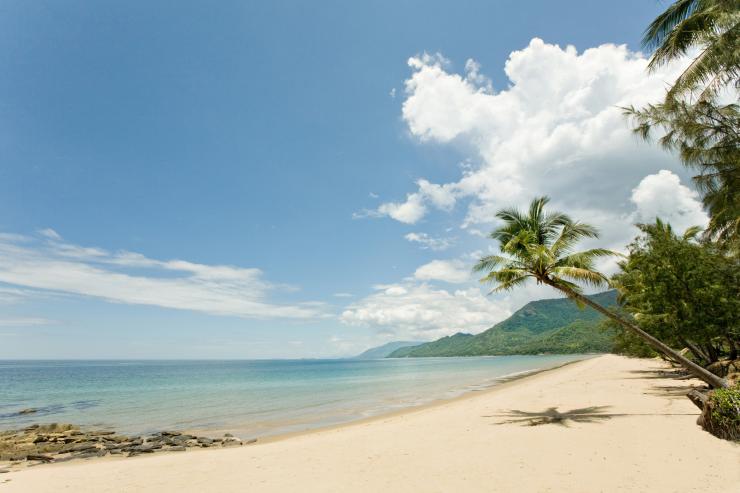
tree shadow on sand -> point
(551, 415)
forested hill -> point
(544, 326)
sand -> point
(632, 430)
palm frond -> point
(578, 274)
(490, 262)
(666, 22)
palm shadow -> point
(551, 415)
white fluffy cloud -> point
(406, 212)
(557, 129)
(452, 271)
(421, 311)
(663, 196)
(216, 289)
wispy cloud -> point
(426, 241)
(24, 322)
(48, 262)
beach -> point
(608, 423)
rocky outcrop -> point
(61, 442)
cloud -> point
(556, 130)
(452, 271)
(343, 295)
(424, 312)
(428, 242)
(415, 207)
(663, 196)
(407, 212)
(50, 233)
(128, 277)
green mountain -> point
(544, 326)
(386, 349)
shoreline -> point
(289, 420)
(500, 382)
(622, 425)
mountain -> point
(544, 326)
(386, 349)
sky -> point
(300, 179)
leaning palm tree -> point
(539, 245)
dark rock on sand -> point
(64, 442)
(42, 458)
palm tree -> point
(539, 246)
(712, 27)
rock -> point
(250, 441)
(228, 435)
(171, 433)
(204, 441)
(82, 447)
(29, 410)
(3, 471)
(85, 455)
(102, 433)
(178, 448)
(42, 458)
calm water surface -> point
(252, 398)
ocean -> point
(252, 398)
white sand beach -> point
(627, 428)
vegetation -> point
(539, 245)
(683, 292)
(710, 26)
(626, 343)
(697, 120)
(540, 327)
(721, 416)
(707, 138)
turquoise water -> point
(252, 398)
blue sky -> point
(241, 179)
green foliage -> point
(539, 245)
(706, 136)
(723, 419)
(682, 291)
(547, 326)
(697, 122)
(453, 345)
(710, 26)
(627, 343)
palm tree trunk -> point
(696, 370)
